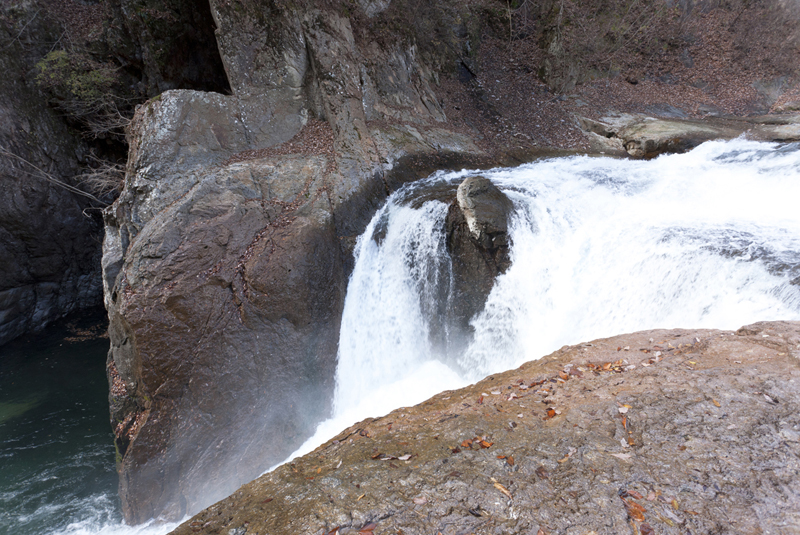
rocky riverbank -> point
(653, 432)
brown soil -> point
(315, 139)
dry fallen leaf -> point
(404, 457)
(646, 529)
(568, 455)
(634, 494)
(502, 489)
(542, 472)
(485, 444)
(635, 511)
(368, 528)
(510, 460)
(466, 444)
(716, 403)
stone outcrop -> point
(642, 136)
(478, 243)
(653, 432)
(49, 248)
(226, 255)
(224, 288)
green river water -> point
(56, 445)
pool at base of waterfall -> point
(56, 445)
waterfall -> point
(600, 246)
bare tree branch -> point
(49, 177)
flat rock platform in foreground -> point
(665, 432)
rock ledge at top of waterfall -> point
(640, 431)
(643, 136)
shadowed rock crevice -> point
(166, 46)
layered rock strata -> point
(653, 432)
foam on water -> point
(708, 239)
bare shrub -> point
(86, 90)
(103, 178)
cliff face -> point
(225, 256)
(71, 72)
(49, 254)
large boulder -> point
(477, 240)
(642, 136)
(224, 313)
(225, 258)
(49, 247)
(664, 432)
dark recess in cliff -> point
(76, 71)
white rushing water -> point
(708, 239)
(600, 247)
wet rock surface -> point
(225, 258)
(653, 432)
(478, 243)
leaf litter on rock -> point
(501, 488)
